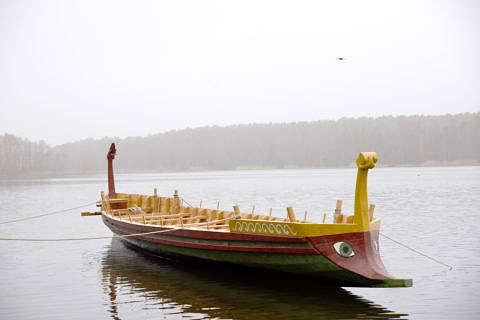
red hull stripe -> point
(205, 246)
(207, 235)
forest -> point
(399, 141)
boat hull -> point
(296, 255)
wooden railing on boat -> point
(171, 211)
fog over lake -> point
(399, 141)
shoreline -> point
(47, 175)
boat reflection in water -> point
(139, 285)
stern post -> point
(111, 181)
(365, 161)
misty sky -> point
(76, 69)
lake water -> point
(434, 210)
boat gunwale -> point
(204, 233)
(151, 238)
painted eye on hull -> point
(344, 249)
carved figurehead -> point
(111, 183)
(365, 161)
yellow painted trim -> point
(293, 229)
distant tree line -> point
(399, 141)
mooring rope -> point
(418, 252)
(48, 214)
(60, 211)
(114, 236)
(162, 231)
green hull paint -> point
(303, 264)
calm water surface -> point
(435, 210)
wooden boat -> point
(345, 252)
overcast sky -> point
(76, 69)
